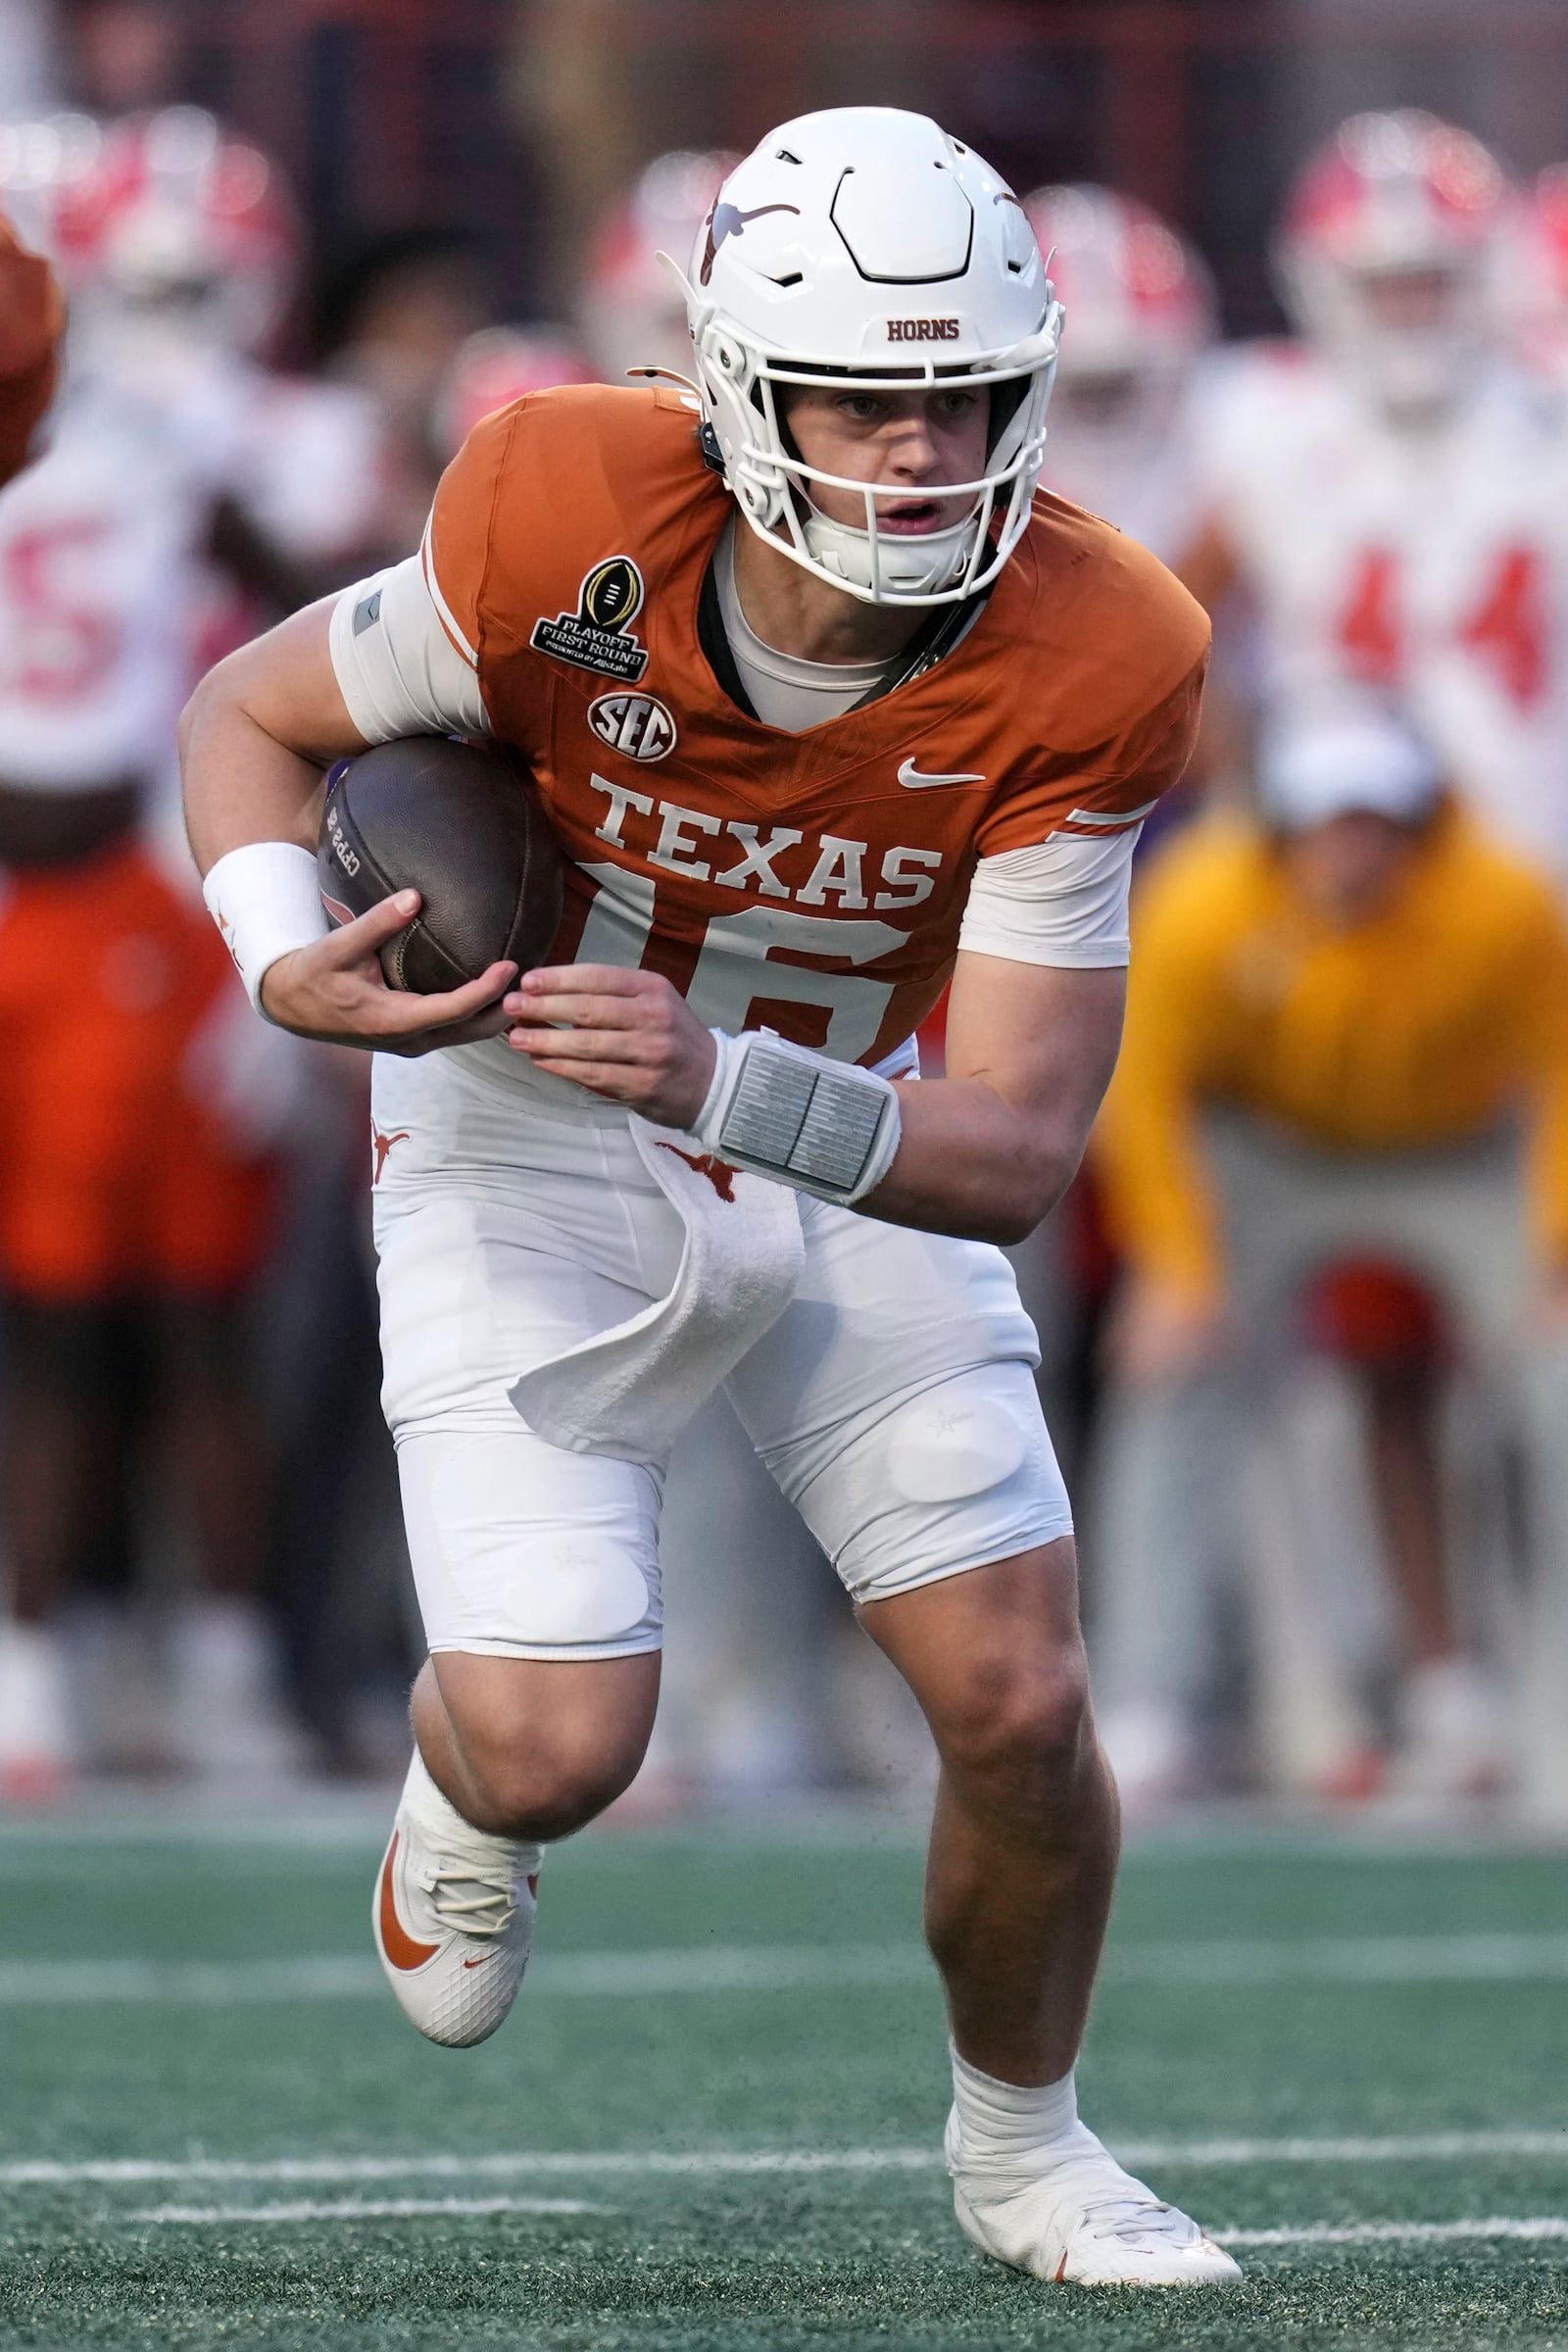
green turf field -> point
(713, 2119)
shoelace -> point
(1123, 2209)
(489, 1910)
(1128, 2219)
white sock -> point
(441, 1820)
(1012, 2128)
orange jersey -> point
(33, 324)
(814, 883)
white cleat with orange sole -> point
(452, 1917)
(1083, 2222)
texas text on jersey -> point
(568, 556)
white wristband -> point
(267, 902)
(827, 1128)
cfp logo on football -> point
(638, 725)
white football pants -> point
(893, 1402)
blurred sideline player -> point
(1389, 489)
(134, 1186)
(849, 690)
(1386, 494)
(1337, 1020)
(1142, 307)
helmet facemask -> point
(745, 391)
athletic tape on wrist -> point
(827, 1128)
(267, 902)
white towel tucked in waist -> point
(630, 1392)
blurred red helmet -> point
(182, 230)
(40, 161)
(498, 366)
(634, 313)
(1389, 250)
(1541, 272)
(1139, 301)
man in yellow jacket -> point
(1347, 1038)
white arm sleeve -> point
(399, 671)
(1062, 902)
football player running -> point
(826, 706)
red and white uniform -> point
(98, 567)
(1431, 565)
(119, 1169)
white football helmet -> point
(864, 246)
(1389, 255)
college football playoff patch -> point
(598, 635)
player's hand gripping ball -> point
(457, 823)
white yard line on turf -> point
(1548, 2227)
(555, 2162)
(1396, 2233)
(1479, 1959)
(393, 2209)
(1500, 1958)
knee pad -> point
(962, 1474)
(958, 1440)
(520, 1549)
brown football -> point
(459, 823)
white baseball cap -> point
(1312, 769)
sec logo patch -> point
(636, 724)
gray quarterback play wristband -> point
(825, 1127)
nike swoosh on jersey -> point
(913, 780)
(400, 1946)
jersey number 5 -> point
(62, 643)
